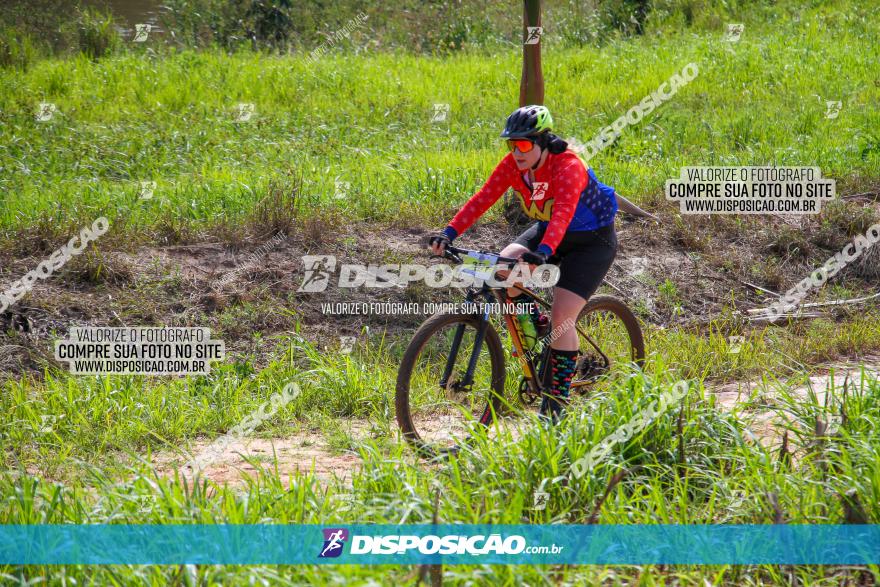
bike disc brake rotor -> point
(590, 367)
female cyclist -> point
(575, 225)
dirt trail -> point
(758, 404)
(252, 283)
(303, 452)
(752, 402)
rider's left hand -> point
(438, 243)
(534, 258)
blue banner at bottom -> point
(448, 544)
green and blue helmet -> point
(527, 121)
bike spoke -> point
(606, 350)
(444, 409)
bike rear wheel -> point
(438, 409)
(611, 342)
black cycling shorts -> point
(584, 256)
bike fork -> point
(475, 353)
(468, 380)
(453, 355)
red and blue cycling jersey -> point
(565, 196)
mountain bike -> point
(452, 376)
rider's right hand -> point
(438, 243)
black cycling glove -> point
(440, 239)
(534, 257)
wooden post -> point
(531, 88)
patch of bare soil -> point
(305, 451)
(231, 463)
(247, 290)
(761, 405)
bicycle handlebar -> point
(452, 253)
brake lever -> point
(447, 256)
(452, 257)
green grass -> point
(97, 420)
(367, 120)
(695, 464)
(78, 450)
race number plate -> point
(480, 265)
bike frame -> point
(493, 294)
(526, 361)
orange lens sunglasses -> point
(523, 145)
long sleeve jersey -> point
(565, 196)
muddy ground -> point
(241, 284)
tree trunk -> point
(531, 88)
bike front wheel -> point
(450, 382)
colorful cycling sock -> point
(562, 364)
